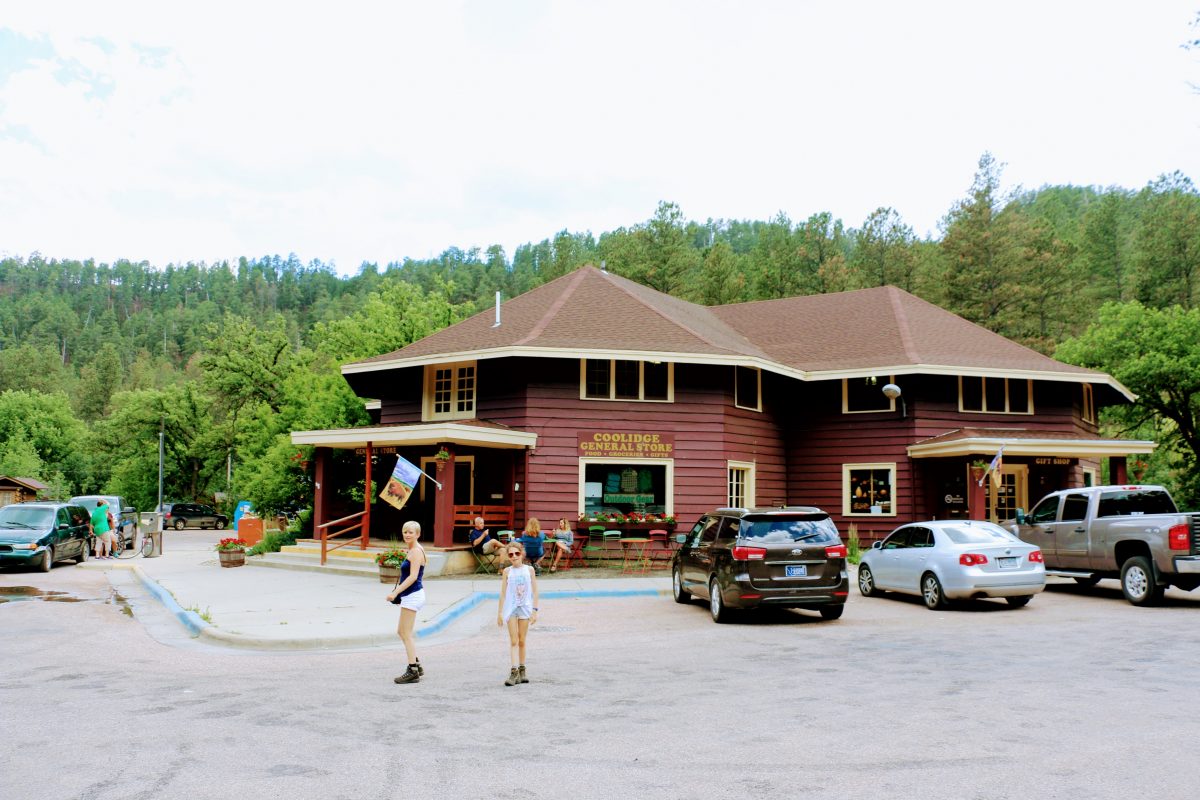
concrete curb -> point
(198, 628)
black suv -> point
(789, 557)
(195, 515)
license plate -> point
(1007, 562)
(797, 571)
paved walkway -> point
(256, 608)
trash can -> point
(154, 537)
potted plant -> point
(440, 458)
(389, 562)
(231, 552)
(978, 466)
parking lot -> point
(1078, 695)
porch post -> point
(1116, 469)
(320, 475)
(977, 496)
(443, 505)
(366, 526)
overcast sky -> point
(351, 131)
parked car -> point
(192, 515)
(749, 558)
(126, 516)
(1134, 533)
(38, 534)
(950, 560)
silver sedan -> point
(951, 560)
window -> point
(626, 485)
(1074, 507)
(450, 391)
(921, 537)
(747, 388)
(995, 395)
(897, 541)
(741, 484)
(1089, 404)
(868, 489)
(1089, 477)
(622, 379)
(1135, 502)
(865, 395)
(1045, 511)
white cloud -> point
(374, 131)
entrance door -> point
(1011, 494)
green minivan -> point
(37, 534)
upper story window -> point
(995, 395)
(450, 391)
(864, 395)
(621, 379)
(747, 388)
(1089, 404)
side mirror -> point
(681, 537)
(128, 510)
(1021, 516)
(62, 526)
(876, 545)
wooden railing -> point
(327, 533)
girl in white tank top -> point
(518, 609)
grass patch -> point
(853, 545)
(273, 542)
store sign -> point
(1056, 461)
(621, 444)
(386, 450)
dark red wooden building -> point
(593, 392)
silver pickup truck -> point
(1134, 533)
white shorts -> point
(414, 601)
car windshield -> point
(965, 535)
(810, 528)
(26, 517)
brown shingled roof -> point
(868, 330)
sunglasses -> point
(512, 553)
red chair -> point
(659, 551)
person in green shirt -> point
(102, 530)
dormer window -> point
(450, 391)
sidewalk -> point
(256, 608)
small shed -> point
(18, 490)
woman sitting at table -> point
(564, 539)
(534, 542)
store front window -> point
(640, 486)
(868, 489)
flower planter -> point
(232, 558)
(388, 574)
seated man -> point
(483, 541)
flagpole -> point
(427, 475)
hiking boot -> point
(514, 677)
(521, 674)
(411, 675)
(420, 669)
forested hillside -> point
(226, 358)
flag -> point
(398, 488)
(994, 468)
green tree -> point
(883, 251)
(1167, 255)
(1156, 354)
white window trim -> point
(1095, 473)
(758, 375)
(1089, 404)
(983, 397)
(669, 463)
(427, 414)
(612, 382)
(846, 397)
(846, 468)
(429, 466)
(749, 467)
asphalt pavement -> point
(253, 607)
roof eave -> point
(989, 445)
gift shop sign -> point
(626, 444)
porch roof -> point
(478, 433)
(1022, 442)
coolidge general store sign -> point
(617, 444)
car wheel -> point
(221, 523)
(179, 524)
(866, 581)
(1019, 602)
(47, 560)
(680, 594)
(716, 603)
(1090, 580)
(832, 612)
(931, 590)
(119, 545)
(1137, 582)
(84, 551)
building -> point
(593, 392)
(19, 490)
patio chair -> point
(593, 547)
(612, 549)
(659, 551)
